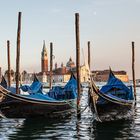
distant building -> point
(60, 77)
(59, 74)
(84, 73)
(102, 76)
(12, 75)
(42, 76)
(27, 77)
(70, 64)
(60, 70)
(137, 82)
(63, 73)
(65, 76)
(44, 60)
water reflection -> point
(113, 130)
(39, 128)
(71, 128)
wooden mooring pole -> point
(133, 69)
(18, 53)
(51, 63)
(89, 54)
(9, 65)
(78, 62)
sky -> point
(109, 25)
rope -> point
(1, 115)
(81, 111)
(76, 108)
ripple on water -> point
(71, 128)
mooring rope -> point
(74, 106)
(1, 115)
(81, 111)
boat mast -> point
(18, 53)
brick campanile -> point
(44, 59)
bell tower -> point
(44, 59)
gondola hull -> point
(21, 109)
(113, 101)
(112, 111)
(18, 106)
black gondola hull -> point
(112, 111)
(13, 108)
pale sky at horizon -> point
(110, 26)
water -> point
(71, 128)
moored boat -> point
(58, 102)
(113, 101)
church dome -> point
(70, 63)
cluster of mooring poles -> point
(17, 57)
(77, 36)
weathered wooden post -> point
(8, 62)
(78, 62)
(51, 63)
(133, 69)
(89, 54)
(18, 53)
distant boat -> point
(58, 102)
(113, 101)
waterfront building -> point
(70, 64)
(12, 75)
(102, 75)
(62, 74)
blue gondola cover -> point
(117, 88)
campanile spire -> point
(44, 59)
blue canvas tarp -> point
(68, 92)
(114, 83)
(40, 96)
(35, 87)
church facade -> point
(62, 73)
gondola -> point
(113, 101)
(58, 102)
(3, 83)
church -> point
(59, 74)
